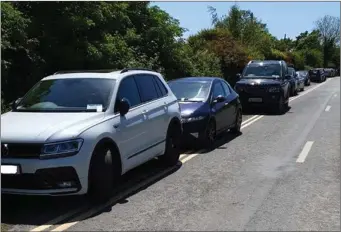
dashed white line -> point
(305, 151)
(327, 108)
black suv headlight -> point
(238, 88)
(61, 149)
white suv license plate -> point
(255, 99)
(10, 169)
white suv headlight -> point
(61, 149)
(274, 89)
(192, 119)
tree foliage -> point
(40, 38)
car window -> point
(162, 87)
(147, 88)
(218, 90)
(128, 89)
(157, 87)
(58, 95)
(226, 88)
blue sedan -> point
(208, 106)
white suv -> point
(77, 132)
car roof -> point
(202, 79)
(105, 74)
(265, 61)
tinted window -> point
(128, 89)
(226, 88)
(190, 90)
(71, 94)
(218, 90)
(157, 87)
(262, 70)
(162, 87)
(146, 87)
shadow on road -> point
(194, 144)
(38, 210)
(263, 111)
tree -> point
(329, 28)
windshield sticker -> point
(97, 107)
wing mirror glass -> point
(219, 98)
(124, 106)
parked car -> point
(264, 83)
(294, 85)
(300, 81)
(317, 75)
(208, 106)
(329, 72)
(77, 132)
(304, 74)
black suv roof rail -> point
(86, 71)
(136, 69)
(269, 61)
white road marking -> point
(327, 108)
(112, 201)
(305, 151)
(59, 219)
(309, 90)
(185, 159)
(249, 123)
(249, 119)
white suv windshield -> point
(68, 95)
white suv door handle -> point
(145, 111)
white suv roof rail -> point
(86, 71)
(103, 70)
(136, 69)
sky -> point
(290, 18)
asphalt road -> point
(282, 173)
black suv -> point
(317, 74)
(264, 83)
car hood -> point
(259, 81)
(193, 109)
(45, 127)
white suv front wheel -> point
(101, 174)
(172, 151)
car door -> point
(130, 130)
(219, 108)
(154, 112)
(231, 101)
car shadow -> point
(38, 210)
(263, 111)
(192, 143)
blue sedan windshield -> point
(190, 90)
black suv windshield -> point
(190, 90)
(262, 70)
(68, 95)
